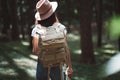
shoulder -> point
(37, 27)
(59, 25)
(37, 31)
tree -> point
(14, 20)
(85, 8)
(22, 17)
(5, 16)
(69, 12)
(117, 10)
(31, 18)
(99, 22)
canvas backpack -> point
(53, 47)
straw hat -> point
(45, 9)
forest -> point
(93, 38)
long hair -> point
(49, 21)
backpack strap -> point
(49, 67)
(61, 70)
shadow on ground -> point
(18, 63)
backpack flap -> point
(53, 59)
(53, 38)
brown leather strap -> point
(61, 71)
(49, 67)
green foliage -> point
(114, 26)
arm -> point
(68, 57)
(35, 39)
(69, 63)
(69, 60)
(35, 45)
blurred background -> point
(93, 38)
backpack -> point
(53, 47)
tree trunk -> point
(87, 55)
(22, 22)
(99, 23)
(69, 12)
(14, 20)
(31, 20)
(6, 19)
(117, 10)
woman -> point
(46, 16)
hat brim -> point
(48, 14)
